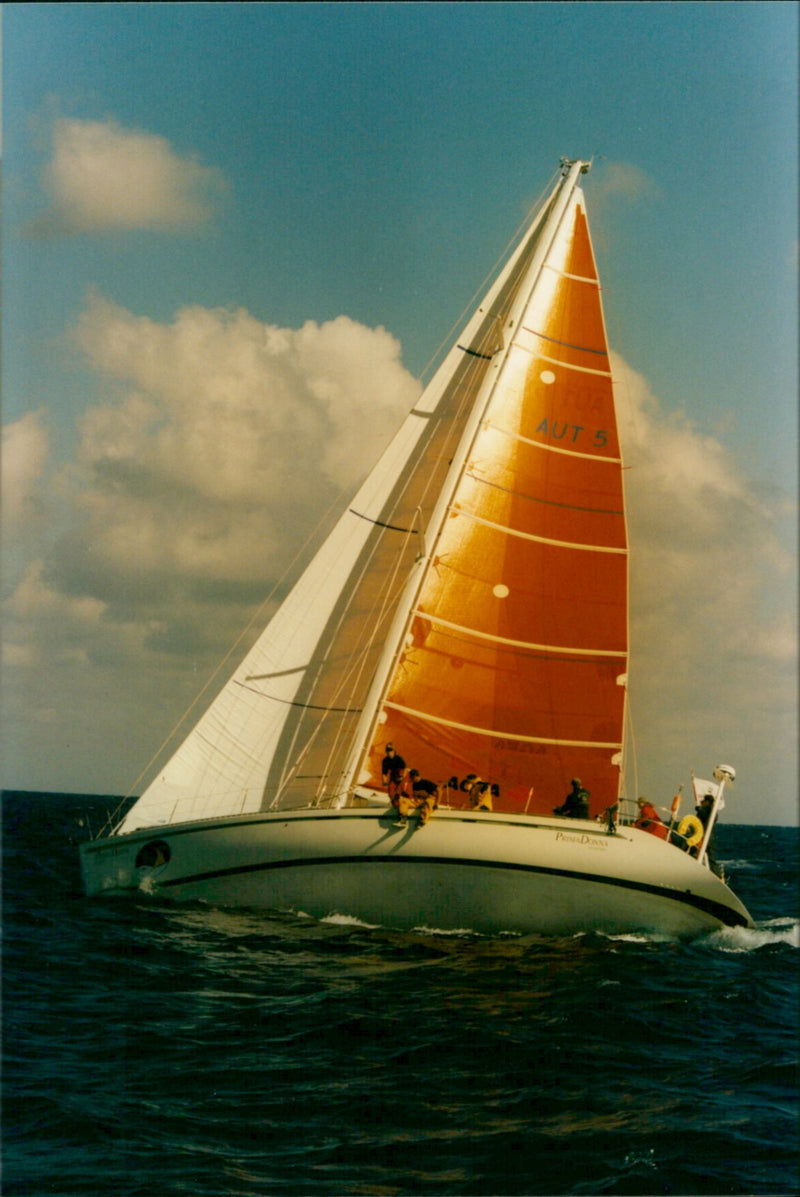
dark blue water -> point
(153, 1049)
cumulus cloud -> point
(224, 441)
(23, 459)
(705, 540)
(712, 651)
(103, 178)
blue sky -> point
(344, 169)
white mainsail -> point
(280, 731)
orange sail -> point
(513, 661)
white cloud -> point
(713, 627)
(229, 440)
(103, 178)
(24, 457)
(705, 543)
(34, 601)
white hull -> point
(489, 873)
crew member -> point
(703, 811)
(576, 803)
(393, 772)
(650, 820)
(480, 795)
(423, 799)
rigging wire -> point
(351, 678)
(257, 615)
(620, 382)
(447, 340)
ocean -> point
(153, 1049)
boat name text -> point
(574, 838)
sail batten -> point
(560, 362)
(522, 644)
(507, 530)
(576, 278)
(505, 735)
(603, 352)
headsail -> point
(513, 661)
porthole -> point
(153, 855)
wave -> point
(637, 937)
(452, 933)
(344, 920)
(765, 934)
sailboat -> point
(470, 609)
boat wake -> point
(765, 934)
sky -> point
(234, 237)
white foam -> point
(764, 934)
(458, 932)
(638, 937)
(347, 920)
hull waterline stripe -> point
(730, 918)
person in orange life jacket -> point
(576, 803)
(649, 819)
(393, 772)
(424, 797)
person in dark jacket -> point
(703, 812)
(393, 773)
(576, 803)
(424, 797)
